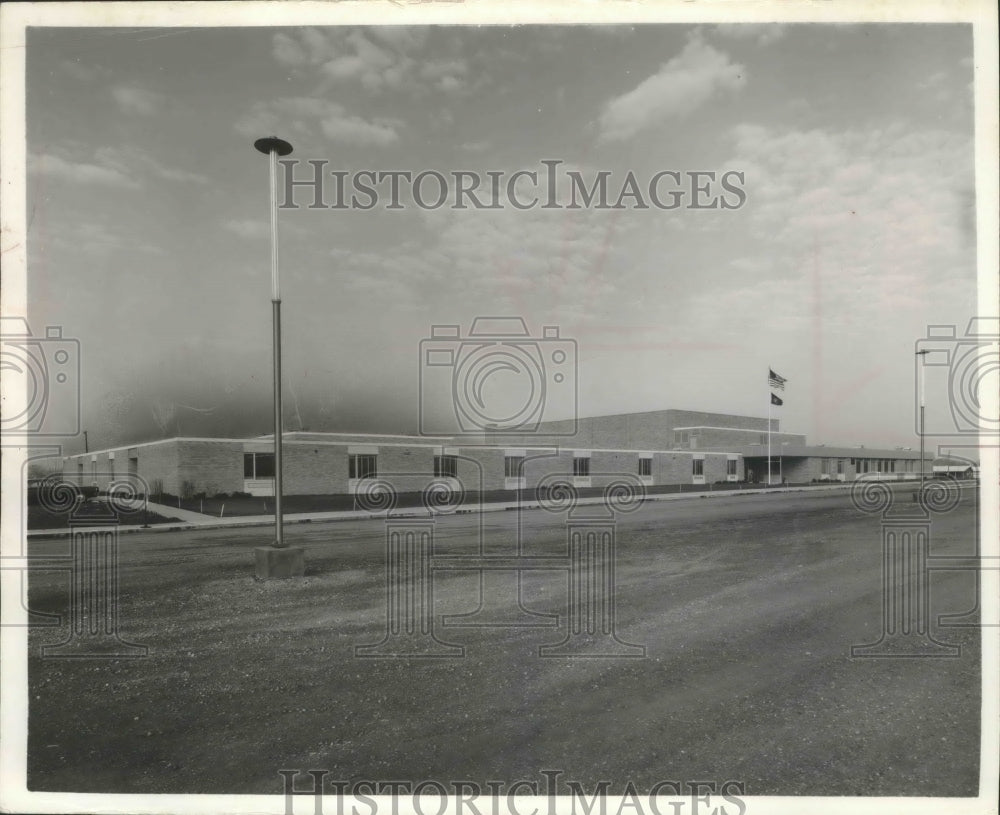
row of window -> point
(827, 465)
(365, 465)
(880, 465)
(698, 466)
(362, 465)
(867, 465)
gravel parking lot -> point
(747, 607)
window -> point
(645, 466)
(258, 465)
(892, 466)
(445, 466)
(840, 466)
(512, 466)
(581, 467)
(698, 466)
(362, 466)
(731, 467)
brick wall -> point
(159, 462)
(314, 469)
(697, 418)
(477, 466)
(713, 438)
(653, 430)
(208, 466)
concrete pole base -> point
(272, 562)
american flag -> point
(775, 381)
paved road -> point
(746, 606)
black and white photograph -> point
(500, 408)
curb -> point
(356, 515)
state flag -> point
(776, 401)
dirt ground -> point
(747, 607)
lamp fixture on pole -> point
(277, 560)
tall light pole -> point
(277, 560)
(920, 376)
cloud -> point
(681, 85)
(761, 33)
(121, 167)
(80, 172)
(98, 239)
(133, 161)
(379, 58)
(403, 38)
(288, 51)
(248, 228)
(475, 146)
(132, 99)
(879, 211)
(343, 127)
(307, 116)
(83, 72)
(555, 262)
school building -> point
(660, 448)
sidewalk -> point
(185, 515)
(188, 520)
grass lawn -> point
(247, 505)
(41, 518)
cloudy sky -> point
(148, 232)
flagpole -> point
(769, 425)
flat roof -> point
(427, 442)
(821, 451)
